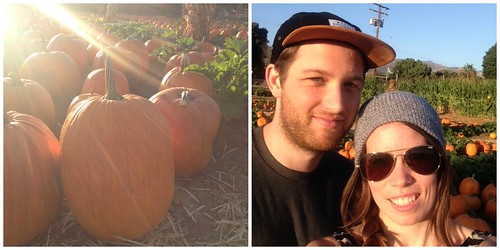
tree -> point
(259, 48)
(468, 71)
(490, 63)
(409, 68)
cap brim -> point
(377, 52)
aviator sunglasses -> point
(377, 166)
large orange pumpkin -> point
(469, 186)
(117, 165)
(32, 196)
(56, 71)
(193, 118)
(29, 97)
(75, 48)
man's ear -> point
(273, 80)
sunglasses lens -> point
(423, 160)
(377, 166)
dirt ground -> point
(209, 209)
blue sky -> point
(450, 34)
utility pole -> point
(378, 23)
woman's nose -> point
(401, 174)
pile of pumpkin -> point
(474, 207)
(118, 152)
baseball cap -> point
(306, 26)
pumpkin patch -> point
(116, 154)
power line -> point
(378, 22)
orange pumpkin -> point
(29, 97)
(193, 118)
(80, 98)
(348, 145)
(473, 222)
(458, 205)
(107, 39)
(75, 48)
(154, 43)
(352, 153)
(344, 153)
(473, 202)
(126, 62)
(261, 121)
(489, 192)
(492, 135)
(445, 121)
(56, 71)
(450, 147)
(117, 165)
(469, 186)
(471, 149)
(177, 77)
(494, 147)
(191, 57)
(32, 197)
(204, 46)
(137, 47)
(96, 81)
(490, 210)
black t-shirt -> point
(291, 208)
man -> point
(317, 70)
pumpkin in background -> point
(56, 71)
(138, 48)
(489, 192)
(191, 57)
(490, 210)
(75, 48)
(79, 98)
(154, 43)
(126, 62)
(458, 205)
(473, 222)
(107, 39)
(471, 149)
(96, 81)
(177, 77)
(28, 97)
(469, 186)
(117, 164)
(193, 118)
(473, 202)
(204, 46)
(32, 197)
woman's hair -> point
(358, 208)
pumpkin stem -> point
(184, 61)
(111, 90)
(185, 97)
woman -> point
(398, 194)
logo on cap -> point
(338, 23)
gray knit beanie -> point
(395, 106)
